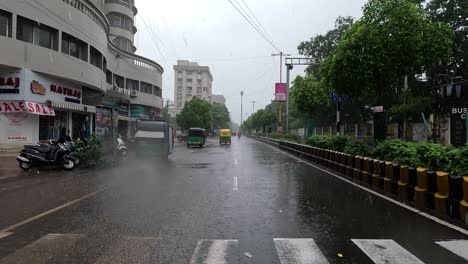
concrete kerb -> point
(432, 191)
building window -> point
(123, 44)
(189, 88)
(179, 82)
(96, 57)
(109, 77)
(146, 88)
(189, 73)
(5, 23)
(189, 80)
(119, 81)
(198, 89)
(204, 89)
(157, 91)
(133, 85)
(199, 76)
(199, 82)
(120, 20)
(37, 34)
(74, 47)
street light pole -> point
(253, 106)
(242, 94)
(280, 54)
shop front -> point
(37, 107)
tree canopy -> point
(394, 38)
(220, 115)
(196, 113)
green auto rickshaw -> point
(196, 136)
(225, 136)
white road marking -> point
(5, 234)
(40, 251)
(130, 249)
(298, 251)
(433, 218)
(66, 179)
(384, 251)
(459, 247)
(235, 183)
(50, 211)
(213, 251)
(235, 162)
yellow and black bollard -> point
(365, 168)
(370, 172)
(441, 196)
(421, 188)
(376, 173)
(464, 203)
(357, 167)
(343, 164)
(388, 177)
(403, 183)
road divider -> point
(436, 191)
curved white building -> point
(75, 61)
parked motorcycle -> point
(60, 153)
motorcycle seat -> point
(41, 149)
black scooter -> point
(61, 153)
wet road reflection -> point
(244, 203)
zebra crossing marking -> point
(299, 251)
(458, 247)
(213, 251)
(129, 249)
(43, 249)
(386, 251)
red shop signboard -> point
(26, 106)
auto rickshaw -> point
(225, 136)
(196, 136)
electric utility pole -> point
(253, 106)
(280, 54)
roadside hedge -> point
(417, 154)
(427, 155)
(338, 143)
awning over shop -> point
(75, 107)
(126, 118)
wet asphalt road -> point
(244, 203)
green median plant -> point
(356, 147)
(91, 152)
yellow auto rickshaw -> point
(224, 136)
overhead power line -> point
(254, 26)
(260, 24)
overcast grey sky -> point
(214, 34)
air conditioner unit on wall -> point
(134, 93)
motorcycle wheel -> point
(68, 164)
(25, 165)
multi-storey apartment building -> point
(70, 65)
(191, 80)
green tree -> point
(394, 38)
(322, 46)
(308, 95)
(220, 115)
(165, 114)
(196, 113)
(455, 13)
